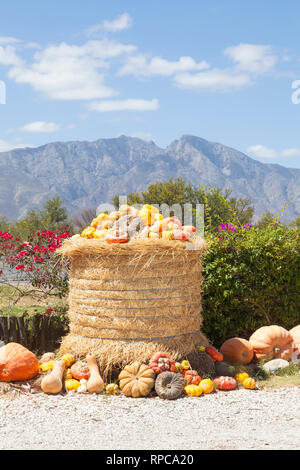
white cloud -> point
(261, 151)
(40, 127)
(124, 105)
(8, 56)
(120, 23)
(70, 72)
(256, 59)
(6, 146)
(139, 66)
(9, 40)
(143, 135)
(213, 80)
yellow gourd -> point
(68, 359)
(45, 366)
(95, 383)
(88, 232)
(249, 383)
(112, 389)
(72, 384)
(68, 374)
(178, 367)
(241, 376)
(207, 386)
(185, 365)
(52, 383)
(193, 390)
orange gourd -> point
(272, 341)
(225, 383)
(17, 363)
(237, 350)
(80, 370)
(191, 377)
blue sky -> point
(221, 70)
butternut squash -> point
(52, 383)
(95, 383)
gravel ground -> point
(241, 419)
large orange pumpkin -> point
(271, 342)
(237, 350)
(17, 363)
(295, 332)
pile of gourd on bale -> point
(161, 376)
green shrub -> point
(252, 279)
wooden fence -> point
(39, 333)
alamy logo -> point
(2, 92)
(296, 94)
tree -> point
(52, 216)
(4, 224)
(266, 219)
(219, 207)
(83, 219)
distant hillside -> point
(85, 174)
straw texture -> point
(130, 300)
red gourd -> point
(214, 353)
(225, 383)
(161, 362)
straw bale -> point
(130, 300)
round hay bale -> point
(130, 300)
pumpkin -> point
(46, 357)
(69, 359)
(193, 390)
(17, 363)
(214, 353)
(207, 386)
(117, 237)
(237, 350)
(225, 383)
(161, 362)
(80, 370)
(136, 380)
(112, 389)
(95, 383)
(241, 376)
(72, 384)
(52, 383)
(191, 377)
(169, 385)
(249, 383)
(47, 366)
(270, 342)
(295, 332)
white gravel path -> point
(242, 419)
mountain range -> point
(85, 174)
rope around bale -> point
(139, 339)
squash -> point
(169, 385)
(249, 383)
(214, 353)
(193, 390)
(17, 363)
(191, 377)
(69, 359)
(295, 332)
(272, 342)
(46, 357)
(241, 376)
(185, 365)
(72, 384)
(45, 366)
(95, 383)
(80, 370)
(178, 367)
(161, 362)
(112, 389)
(136, 380)
(225, 383)
(68, 374)
(237, 350)
(52, 383)
(207, 386)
